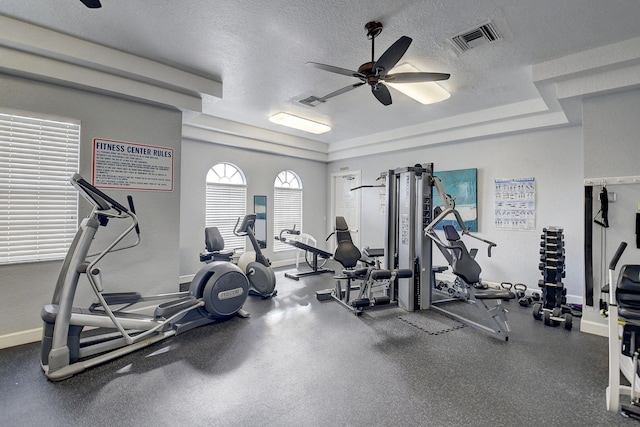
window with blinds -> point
(38, 205)
(287, 205)
(226, 202)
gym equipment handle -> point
(617, 255)
(82, 182)
(132, 208)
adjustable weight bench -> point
(316, 252)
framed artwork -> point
(462, 185)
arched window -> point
(287, 205)
(226, 201)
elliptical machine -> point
(255, 265)
(218, 291)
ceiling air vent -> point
(483, 34)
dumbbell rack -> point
(554, 295)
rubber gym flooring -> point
(297, 361)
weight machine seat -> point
(463, 264)
(346, 252)
(628, 292)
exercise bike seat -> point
(214, 243)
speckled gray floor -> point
(301, 362)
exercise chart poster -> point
(132, 166)
(515, 204)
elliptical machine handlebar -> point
(97, 198)
(103, 203)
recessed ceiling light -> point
(424, 93)
(286, 119)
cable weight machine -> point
(409, 201)
(408, 245)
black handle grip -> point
(132, 208)
(618, 254)
(117, 206)
(491, 245)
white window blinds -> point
(225, 204)
(38, 205)
(287, 212)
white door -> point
(345, 203)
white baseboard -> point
(186, 279)
(19, 338)
(594, 328)
(284, 263)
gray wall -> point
(260, 170)
(612, 149)
(552, 157)
(149, 268)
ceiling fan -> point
(374, 73)
(93, 4)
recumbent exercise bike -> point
(257, 268)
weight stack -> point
(552, 268)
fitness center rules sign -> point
(132, 166)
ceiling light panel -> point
(295, 122)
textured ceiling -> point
(258, 50)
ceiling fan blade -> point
(381, 92)
(391, 56)
(415, 77)
(336, 70)
(93, 4)
(340, 91)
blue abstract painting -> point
(462, 185)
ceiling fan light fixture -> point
(306, 125)
(424, 92)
